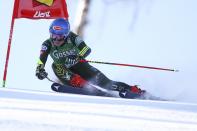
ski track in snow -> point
(31, 110)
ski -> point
(94, 91)
(88, 90)
(144, 96)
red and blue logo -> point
(57, 28)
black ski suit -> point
(75, 46)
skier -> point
(67, 49)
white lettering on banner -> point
(39, 14)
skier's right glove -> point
(40, 72)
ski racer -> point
(67, 49)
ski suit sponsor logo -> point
(39, 14)
(69, 41)
(62, 54)
(78, 40)
(43, 48)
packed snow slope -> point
(22, 110)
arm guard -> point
(84, 50)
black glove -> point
(40, 72)
(72, 60)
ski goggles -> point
(55, 37)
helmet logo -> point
(57, 28)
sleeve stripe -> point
(84, 50)
(40, 62)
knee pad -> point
(62, 73)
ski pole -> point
(130, 65)
(50, 80)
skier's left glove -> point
(40, 72)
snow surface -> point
(22, 110)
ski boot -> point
(133, 92)
(137, 90)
